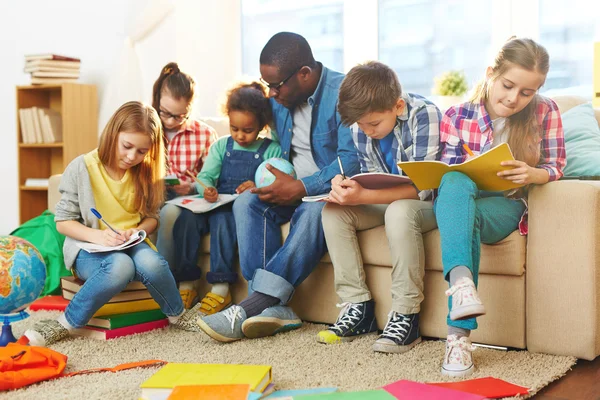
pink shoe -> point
(465, 300)
(458, 360)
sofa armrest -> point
(563, 269)
(53, 193)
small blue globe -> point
(22, 274)
(263, 177)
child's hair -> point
(369, 87)
(135, 116)
(524, 128)
(252, 98)
(178, 84)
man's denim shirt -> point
(328, 137)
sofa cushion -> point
(582, 140)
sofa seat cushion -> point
(506, 257)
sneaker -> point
(189, 320)
(271, 321)
(355, 319)
(458, 360)
(465, 300)
(213, 303)
(401, 333)
(46, 332)
(224, 326)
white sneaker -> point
(465, 300)
(458, 360)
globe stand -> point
(7, 336)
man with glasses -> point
(304, 97)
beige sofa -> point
(541, 292)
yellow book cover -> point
(481, 169)
(127, 307)
(186, 374)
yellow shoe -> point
(188, 296)
(213, 303)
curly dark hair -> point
(252, 98)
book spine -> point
(139, 328)
(127, 307)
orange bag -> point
(22, 365)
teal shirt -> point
(211, 170)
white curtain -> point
(126, 83)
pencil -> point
(196, 179)
(468, 150)
(341, 168)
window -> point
(420, 39)
(319, 21)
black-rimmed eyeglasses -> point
(179, 118)
(277, 86)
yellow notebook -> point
(184, 374)
(481, 169)
(125, 307)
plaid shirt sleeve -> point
(426, 125)
(450, 139)
(188, 149)
(360, 143)
(553, 154)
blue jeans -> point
(467, 217)
(187, 235)
(270, 267)
(107, 274)
(164, 238)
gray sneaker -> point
(189, 320)
(271, 321)
(46, 332)
(224, 326)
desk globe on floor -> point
(263, 177)
(22, 278)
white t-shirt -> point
(500, 131)
(300, 152)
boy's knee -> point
(333, 215)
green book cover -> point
(121, 320)
(378, 394)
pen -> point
(468, 150)
(99, 216)
(196, 179)
(341, 168)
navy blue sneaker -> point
(401, 333)
(355, 319)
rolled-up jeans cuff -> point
(274, 285)
(220, 277)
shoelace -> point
(349, 314)
(395, 326)
(456, 288)
(462, 345)
(232, 313)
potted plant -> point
(450, 88)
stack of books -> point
(52, 68)
(40, 125)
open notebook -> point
(136, 238)
(198, 205)
(368, 180)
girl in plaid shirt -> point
(187, 142)
(504, 108)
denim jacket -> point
(328, 137)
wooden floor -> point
(582, 383)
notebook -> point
(198, 205)
(210, 392)
(481, 169)
(136, 238)
(185, 374)
(378, 394)
(491, 388)
(368, 180)
(408, 390)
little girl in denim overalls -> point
(229, 168)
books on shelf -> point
(40, 125)
(50, 56)
(52, 68)
(36, 182)
(52, 81)
(106, 334)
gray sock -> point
(257, 302)
(459, 332)
(459, 272)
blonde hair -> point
(524, 128)
(369, 87)
(148, 175)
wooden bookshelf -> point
(78, 107)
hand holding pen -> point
(210, 193)
(110, 236)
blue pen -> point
(99, 216)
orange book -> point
(210, 392)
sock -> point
(221, 288)
(175, 318)
(63, 321)
(257, 302)
(189, 285)
(459, 272)
(459, 332)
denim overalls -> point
(238, 166)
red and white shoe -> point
(458, 360)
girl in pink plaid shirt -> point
(504, 108)
(187, 142)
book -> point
(198, 205)
(378, 394)
(316, 198)
(171, 180)
(36, 182)
(73, 284)
(121, 320)
(489, 387)
(368, 180)
(55, 74)
(210, 392)
(283, 394)
(51, 81)
(125, 307)
(50, 303)
(40, 65)
(171, 375)
(482, 169)
(106, 334)
(407, 390)
(49, 56)
(118, 298)
(136, 238)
